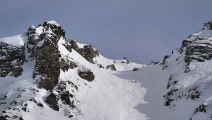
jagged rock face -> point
(88, 52)
(52, 100)
(194, 48)
(194, 53)
(11, 59)
(65, 95)
(44, 48)
(55, 29)
(47, 33)
(207, 26)
(47, 66)
(197, 47)
(199, 50)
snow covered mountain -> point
(44, 75)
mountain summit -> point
(44, 75)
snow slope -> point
(177, 88)
(17, 40)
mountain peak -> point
(54, 69)
(47, 29)
(207, 25)
(53, 22)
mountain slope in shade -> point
(46, 76)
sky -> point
(141, 30)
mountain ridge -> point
(59, 68)
(48, 76)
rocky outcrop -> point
(44, 48)
(88, 52)
(207, 26)
(52, 101)
(65, 95)
(86, 74)
(66, 64)
(111, 67)
(199, 50)
(11, 60)
(197, 47)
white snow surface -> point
(17, 40)
(53, 22)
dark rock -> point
(61, 86)
(40, 105)
(21, 118)
(3, 97)
(112, 67)
(72, 85)
(201, 108)
(33, 100)
(24, 109)
(100, 66)
(87, 51)
(55, 29)
(17, 71)
(207, 25)
(12, 58)
(135, 69)
(4, 112)
(52, 100)
(66, 64)
(164, 63)
(170, 96)
(71, 44)
(47, 69)
(171, 81)
(31, 30)
(87, 75)
(90, 53)
(15, 117)
(196, 51)
(3, 118)
(194, 93)
(65, 97)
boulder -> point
(87, 75)
(52, 101)
(112, 67)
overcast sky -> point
(141, 30)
